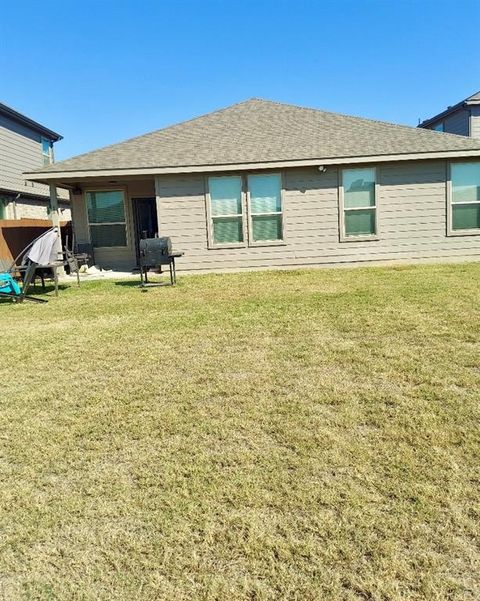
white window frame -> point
(210, 235)
(251, 241)
(46, 156)
(450, 203)
(123, 190)
(247, 226)
(341, 217)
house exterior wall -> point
(20, 151)
(475, 122)
(456, 123)
(464, 122)
(412, 221)
(31, 208)
(123, 258)
(411, 216)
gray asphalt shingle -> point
(257, 131)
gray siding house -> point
(267, 185)
(462, 118)
(25, 145)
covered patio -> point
(110, 216)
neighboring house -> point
(267, 185)
(462, 118)
(25, 145)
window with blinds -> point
(465, 197)
(358, 196)
(228, 205)
(226, 209)
(106, 217)
(265, 206)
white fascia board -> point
(73, 175)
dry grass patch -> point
(285, 435)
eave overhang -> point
(75, 175)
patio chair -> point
(41, 252)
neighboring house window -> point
(465, 197)
(3, 208)
(47, 151)
(439, 127)
(226, 210)
(106, 217)
(227, 206)
(358, 204)
(265, 207)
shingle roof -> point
(257, 131)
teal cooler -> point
(8, 284)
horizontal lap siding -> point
(20, 151)
(458, 123)
(412, 221)
(475, 121)
(112, 258)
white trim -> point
(123, 190)
(211, 244)
(40, 177)
(250, 214)
(341, 207)
(47, 155)
(450, 205)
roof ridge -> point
(266, 130)
(351, 117)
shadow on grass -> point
(136, 284)
(38, 291)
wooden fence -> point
(16, 234)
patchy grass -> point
(306, 435)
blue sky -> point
(100, 71)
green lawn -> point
(309, 435)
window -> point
(465, 197)
(47, 151)
(358, 204)
(265, 205)
(226, 210)
(106, 216)
(439, 126)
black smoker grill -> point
(154, 253)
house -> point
(267, 185)
(462, 118)
(25, 145)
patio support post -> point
(158, 199)
(55, 217)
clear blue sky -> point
(100, 71)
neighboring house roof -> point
(472, 100)
(260, 133)
(19, 118)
